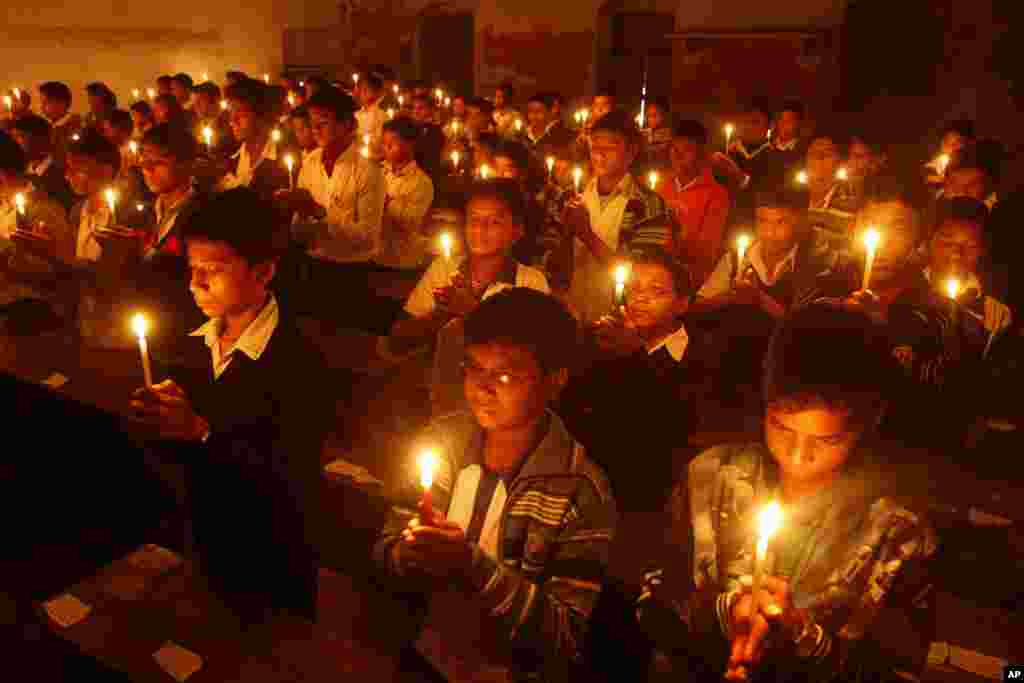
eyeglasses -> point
(498, 378)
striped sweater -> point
(539, 584)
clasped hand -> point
(761, 624)
(439, 551)
(166, 408)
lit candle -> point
(208, 138)
(17, 94)
(842, 174)
(550, 163)
(519, 125)
(291, 100)
(768, 523)
(447, 101)
(455, 160)
(76, 137)
(140, 325)
(728, 135)
(224, 105)
(953, 288)
(275, 135)
(428, 462)
(769, 136)
(365, 152)
(135, 93)
(577, 176)
(266, 78)
(742, 244)
(355, 78)
(140, 207)
(455, 128)
(621, 277)
(391, 113)
(366, 139)
(19, 206)
(133, 147)
(9, 102)
(871, 240)
(401, 100)
(652, 180)
(206, 76)
(111, 195)
(394, 88)
(439, 95)
(578, 116)
(485, 171)
(586, 115)
(289, 162)
(302, 84)
(639, 121)
(151, 93)
(446, 245)
(801, 177)
(943, 163)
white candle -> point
(266, 78)
(111, 195)
(139, 325)
(953, 288)
(842, 174)
(355, 78)
(455, 160)
(289, 162)
(428, 462)
(394, 88)
(447, 101)
(208, 138)
(391, 113)
(801, 177)
(652, 180)
(577, 176)
(943, 163)
(871, 240)
(19, 210)
(401, 100)
(519, 125)
(446, 245)
(639, 121)
(742, 244)
(621, 277)
(291, 100)
(134, 148)
(728, 135)
(768, 523)
(550, 163)
(9, 102)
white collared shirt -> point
(443, 270)
(675, 343)
(87, 248)
(756, 261)
(252, 343)
(62, 121)
(410, 192)
(371, 121)
(353, 196)
(787, 146)
(244, 172)
(720, 280)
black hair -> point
(375, 82)
(172, 104)
(962, 127)
(239, 218)
(619, 123)
(55, 90)
(872, 143)
(485, 106)
(504, 190)
(32, 125)
(517, 152)
(661, 103)
(235, 76)
(184, 79)
(416, 84)
(823, 356)
(96, 88)
(986, 156)
(173, 139)
(405, 128)
(607, 90)
(489, 141)
(121, 120)
(781, 197)
(691, 129)
(209, 89)
(300, 112)
(794, 106)
(166, 78)
(550, 335)
(650, 255)
(887, 188)
(12, 157)
(838, 139)
(318, 82)
(96, 147)
(142, 107)
(961, 209)
(545, 98)
(760, 105)
(336, 101)
(253, 94)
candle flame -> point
(519, 124)
(366, 140)
(151, 93)
(550, 161)
(140, 325)
(391, 113)
(652, 179)
(17, 93)
(872, 238)
(801, 177)
(135, 93)
(743, 242)
(729, 128)
(447, 101)
(289, 161)
(19, 203)
(395, 88)
(953, 287)
(355, 78)
(621, 274)
(276, 135)
(206, 76)
(769, 520)
(485, 171)
(438, 94)
(428, 463)
(455, 158)
(140, 206)
(207, 134)
(401, 99)
(111, 198)
(266, 78)
(842, 173)
(446, 244)
(944, 160)
(224, 105)
(134, 147)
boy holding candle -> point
(431, 143)
(613, 212)
(102, 101)
(833, 203)
(844, 590)
(543, 130)
(503, 114)
(143, 119)
(33, 134)
(371, 117)
(513, 564)
(658, 133)
(259, 162)
(55, 104)
(698, 203)
(242, 406)
(409, 194)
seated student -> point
(504, 115)
(774, 165)
(511, 566)
(556, 242)
(833, 202)
(143, 118)
(165, 85)
(46, 172)
(259, 162)
(646, 372)
(973, 174)
(603, 102)
(232, 77)
(102, 101)
(302, 132)
(243, 406)
(452, 287)
(657, 132)
(613, 212)
(93, 167)
(181, 87)
(845, 594)
(479, 118)
(55, 104)
(167, 109)
(369, 92)
(167, 156)
(543, 130)
(956, 137)
(698, 203)
(866, 160)
(206, 104)
(25, 274)
(512, 162)
(430, 145)
(410, 193)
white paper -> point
(66, 610)
(177, 661)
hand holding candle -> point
(577, 176)
(652, 180)
(140, 326)
(151, 93)
(842, 174)
(289, 162)
(953, 288)
(111, 195)
(428, 463)
(550, 163)
(872, 238)
(275, 135)
(446, 245)
(742, 244)
(208, 138)
(729, 128)
(485, 172)
(801, 177)
(19, 206)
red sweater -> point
(701, 210)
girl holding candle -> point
(846, 561)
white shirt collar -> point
(62, 121)
(252, 343)
(757, 262)
(674, 343)
(787, 146)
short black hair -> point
(175, 140)
(142, 107)
(485, 106)
(184, 79)
(334, 100)
(489, 141)
(691, 129)
(375, 82)
(961, 209)
(404, 127)
(235, 75)
(209, 89)
(506, 88)
(986, 156)
(795, 106)
(619, 123)
(759, 105)
(239, 218)
(55, 90)
(504, 190)
(822, 356)
(550, 335)
(92, 145)
(318, 83)
(166, 78)
(873, 144)
(661, 103)
(517, 152)
(32, 125)
(545, 98)
(607, 90)
(300, 112)
(253, 94)
(12, 157)
(962, 127)
(172, 104)
(782, 196)
(120, 120)
(96, 88)
(651, 255)
(890, 188)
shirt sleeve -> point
(720, 280)
(408, 211)
(356, 227)
(421, 302)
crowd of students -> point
(596, 293)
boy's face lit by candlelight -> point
(490, 227)
(506, 387)
(655, 116)
(777, 229)
(685, 155)
(245, 123)
(601, 105)
(610, 154)
(303, 134)
(754, 126)
(327, 129)
(53, 108)
(966, 182)
(956, 249)
(222, 282)
(651, 297)
(161, 171)
(809, 443)
(506, 168)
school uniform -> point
(410, 193)
(47, 176)
(264, 173)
